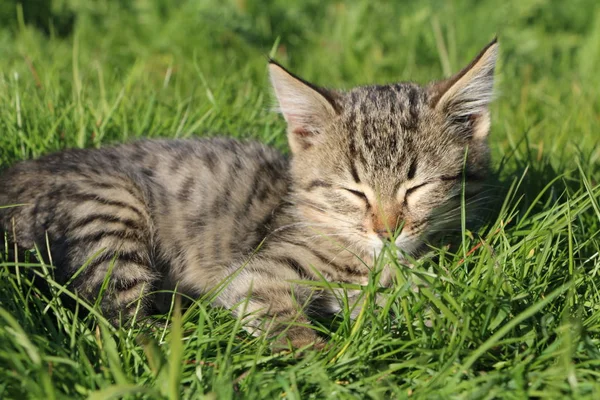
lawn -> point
(514, 313)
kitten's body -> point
(172, 213)
(191, 214)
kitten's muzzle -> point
(384, 234)
(386, 222)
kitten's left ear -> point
(307, 109)
(467, 95)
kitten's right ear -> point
(307, 109)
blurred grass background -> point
(83, 73)
(126, 65)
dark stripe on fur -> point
(413, 169)
(105, 218)
(318, 183)
(104, 185)
(119, 257)
(96, 198)
(187, 187)
(354, 172)
(297, 267)
(103, 234)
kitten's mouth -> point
(405, 244)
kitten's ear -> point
(467, 95)
(307, 109)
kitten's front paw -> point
(297, 337)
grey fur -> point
(192, 214)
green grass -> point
(518, 316)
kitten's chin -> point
(375, 246)
(409, 244)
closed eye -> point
(412, 189)
(447, 178)
(357, 194)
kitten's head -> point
(381, 162)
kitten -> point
(369, 165)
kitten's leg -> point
(119, 280)
(106, 251)
(271, 304)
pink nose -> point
(385, 225)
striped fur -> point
(192, 214)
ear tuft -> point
(307, 109)
(468, 94)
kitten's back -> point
(172, 211)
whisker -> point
(284, 227)
(330, 235)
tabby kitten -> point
(371, 165)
